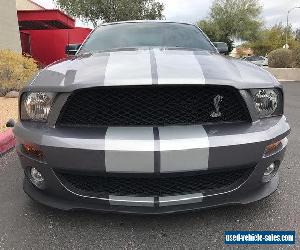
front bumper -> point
(176, 150)
(81, 203)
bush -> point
(15, 70)
(280, 58)
(296, 58)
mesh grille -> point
(154, 105)
(156, 186)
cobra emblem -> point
(217, 101)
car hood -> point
(150, 66)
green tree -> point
(272, 38)
(112, 10)
(232, 19)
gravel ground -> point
(8, 109)
(25, 224)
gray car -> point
(257, 60)
(149, 117)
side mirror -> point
(10, 123)
(221, 47)
(71, 49)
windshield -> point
(132, 35)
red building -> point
(45, 33)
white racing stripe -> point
(178, 67)
(180, 199)
(128, 68)
(164, 201)
(129, 150)
(131, 201)
(183, 148)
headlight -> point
(36, 106)
(268, 102)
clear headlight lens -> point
(36, 106)
(268, 102)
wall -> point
(48, 46)
(290, 74)
(27, 5)
(10, 37)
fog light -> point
(270, 169)
(36, 178)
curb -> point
(7, 141)
(283, 80)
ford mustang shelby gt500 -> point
(149, 117)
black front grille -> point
(163, 185)
(155, 105)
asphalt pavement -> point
(25, 224)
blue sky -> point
(274, 11)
